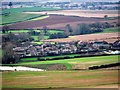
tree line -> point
(83, 28)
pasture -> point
(81, 63)
(61, 79)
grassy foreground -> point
(60, 79)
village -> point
(61, 48)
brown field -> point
(61, 79)
(57, 22)
(109, 37)
(82, 13)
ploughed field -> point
(61, 79)
(109, 37)
(57, 22)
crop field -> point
(81, 63)
(61, 79)
(109, 37)
(82, 13)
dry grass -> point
(57, 79)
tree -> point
(9, 56)
(45, 29)
(83, 29)
(10, 4)
(68, 30)
(41, 36)
(5, 29)
(58, 35)
(106, 16)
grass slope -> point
(60, 79)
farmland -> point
(82, 63)
(30, 46)
(110, 37)
(48, 57)
(15, 16)
(57, 22)
(11, 19)
(82, 13)
(58, 79)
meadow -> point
(61, 79)
(81, 63)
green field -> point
(82, 63)
(60, 79)
(48, 57)
(17, 15)
(111, 30)
(0, 53)
(29, 9)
